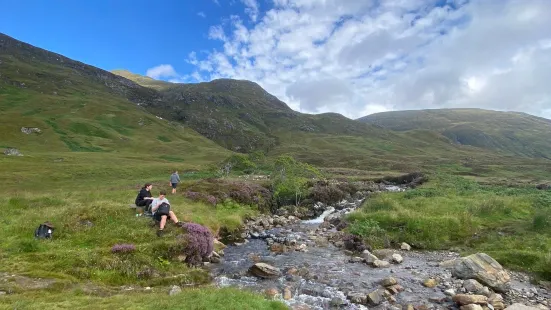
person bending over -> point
(144, 197)
(161, 210)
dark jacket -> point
(142, 194)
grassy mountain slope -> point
(509, 132)
(80, 108)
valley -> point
(245, 157)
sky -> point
(354, 57)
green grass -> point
(196, 299)
(509, 223)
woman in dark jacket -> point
(144, 198)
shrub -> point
(199, 245)
(541, 220)
(327, 193)
(123, 248)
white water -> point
(320, 218)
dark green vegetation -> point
(508, 132)
(511, 224)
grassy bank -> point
(87, 196)
(512, 224)
(197, 299)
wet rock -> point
(397, 258)
(376, 297)
(369, 258)
(292, 271)
(356, 259)
(395, 289)
(430, 283)
(271, 293)
(357, 298)
(519, 306)
(405, 247)
(448, 264)
(463, 299)
(175, 289)
(410, 307)
(471, 307)
(449, 292)
(263, 270)
(496, 300)
(484, 291)
(383, 253)
(215, 260)
(337, 302)
(472, 286)
(278, 248)
(390, 281)
(287, 293)
(483, 268)
(381, 264)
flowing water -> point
(322, 276)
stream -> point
(316, 274)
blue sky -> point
(353, 57)
(130, 34)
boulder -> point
(287, 295)
(376, 297)
(430, 283)
(175, 289)
(519, 306)
(483, 268)
(271, 292)
(357, 298)
(383, 253)
(368, 257)
(10, 151)
(449, 292)
(472, 286)
(397, 258)
(496, 301)
(405, 247)
(381, 264)
(471, 307)
(390, 281)
(30, 130)
(395, 289)
(263, 270)
(464, 299)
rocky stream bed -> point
(307, 265)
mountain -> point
(240, 115)
(83, 109)
(509, 132)
(80, 108)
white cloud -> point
(202, 14)
(251, 8)
(362, 56)
(161, 71)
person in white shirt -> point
(160, 207)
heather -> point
(199, 243)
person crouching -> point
(161, 210)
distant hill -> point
(510, 132)
(80, 108)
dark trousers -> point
(146, 203)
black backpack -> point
(44, 231)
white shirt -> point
(157, 202)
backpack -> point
(44, 231)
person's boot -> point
(160, 233)
(180, 224)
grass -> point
(196, 299)
(509, 223)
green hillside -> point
(508, 132)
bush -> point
(542, 220)
(123, 248)
(199, 243)
(327, 194)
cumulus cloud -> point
(358, 57)
(161, 71)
